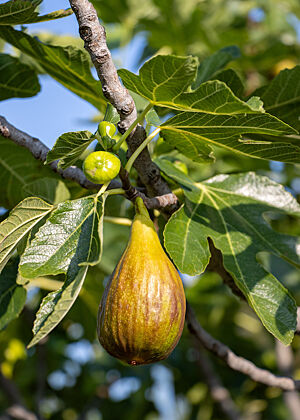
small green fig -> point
(101, 167)
(142, 310)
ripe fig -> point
(141, 314)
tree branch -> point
(18, 409)
(132, 193)
(39, 151)
(285, 359)
(218, 392)
(235, 362)
(216, 265)
(94, 37)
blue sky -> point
(55, 110)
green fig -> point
(142, 310)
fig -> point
(142, 310)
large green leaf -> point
(193, 134)
(72, 234)
(164, 81)
(230, 210)
(69, 65)
(69, 147)
(57, 14)
(17, 169)
(52, 190)
(18, 12)
(19, 223)
(56, 304)
(232, 80)
(215, 62)
(17, 80)
(282, 96)
(12, 294)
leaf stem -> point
(133, 125)
(140, 149)
(115, 191)
(45, 283)
(102, 189)
(123, 221)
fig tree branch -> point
(235, 362)
(94, 37)
(285, 361)
(218, 392)
(166, 200)
(39, 151)
(17, 409)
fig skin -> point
(142, 310)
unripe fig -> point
(101, 167)
(142, 310)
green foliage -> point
(12, 295)
(69, 147)
(69, 66)
(281, 97)
(16, 79)
(18, 168)
(19, 224)
(72, 234)
(229, 209)
(16, 12)
(213, 114)
(220, 100)
(56, 304)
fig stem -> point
(115, 191)
(140, 149)
(140, 208)
(139, 119)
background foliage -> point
(70, 362)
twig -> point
(18, 409)
(235, 362)
(216, 265)
(39, 151)
(218, 392)
(41, 374)
(285, 361)
(94, 37)
(298, 321)
(10, 390)
(21, 413)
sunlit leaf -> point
(69, 65)
(19, 223)
(193, 134)
(229, 209)
(56, 304)
(18, 12)
(165, 82)
(72, 234)
(69, 147)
